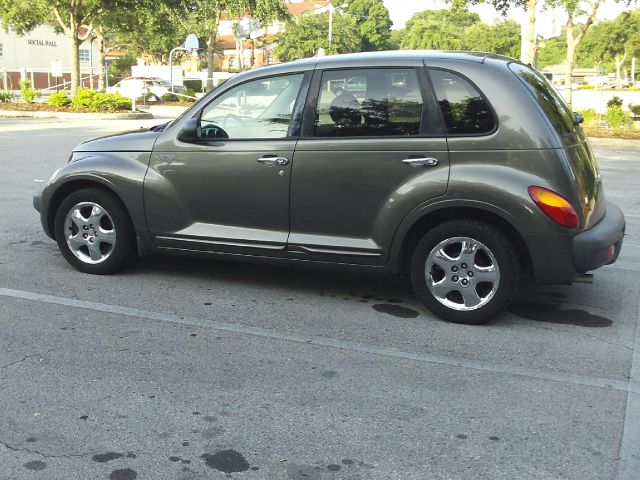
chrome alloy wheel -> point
(462, 273)
(90, 233)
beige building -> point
(31, 56)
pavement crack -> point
(15, 362)
(42, 454)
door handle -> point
(272, 161)
(421, 162)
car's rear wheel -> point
(94, 232)
(465, 271)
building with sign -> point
(33, 55)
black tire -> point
(115, 226)
(494, 257)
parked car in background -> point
(136, 87)
(465, 171)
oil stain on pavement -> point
(227, 461)
(542, 312)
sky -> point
(549, 22)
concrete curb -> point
(76, 115)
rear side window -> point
(550, 100)
(465, 111)
(369, 102)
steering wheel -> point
(232, 116)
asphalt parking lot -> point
(192, 369)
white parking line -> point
(629, 466)
(576, 379)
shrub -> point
(616, 101)
(6, 97)
(635, 109)
(59, 100)
(99, 102)
(195, 85)
(190, 93)
(169, 97)
(586, 86)
(28, 93)
(616, 117)
(590, 117)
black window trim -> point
(296, 115)
(494, 116)
(308, 120)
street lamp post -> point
(190, 44)
(331, 8)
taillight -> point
(555, 206)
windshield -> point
(548, 97)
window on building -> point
(371, 102)
(84, 55)
(232, 62)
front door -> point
(227, 191)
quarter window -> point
(371, 102)
(257, 109)
(465, 111)
(84, 55)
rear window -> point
(550, 100)
(464, 109)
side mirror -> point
(191, 131)
(577, 118)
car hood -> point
(134, 141)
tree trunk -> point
(528, 44)
(74, 43)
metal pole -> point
(91, 63)
(633, 71)
(171, 66)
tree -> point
(304, 36)
(612, 42)
(374, 24)
(574, 34)
(438, 29)
(529, 53)
(502, 38)
(552, 51)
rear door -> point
(371, 150)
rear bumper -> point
(601, 244)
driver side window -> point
(257, 109)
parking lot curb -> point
(76, 115)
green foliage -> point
(611, 41)
(169, 97)
(28, 93)
(635, 109)
(502, 38)
(586, 86)
(552, 51)
(438, 29)
(121, 67)
(590, 117)
(92, 101)
(189, 92)
(6, 97)
(195, 85)
(616, 101)
(303, 36)
(59, 100)
(374, 24)
(616, 117)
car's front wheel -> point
(94, 232)
(465, 271)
